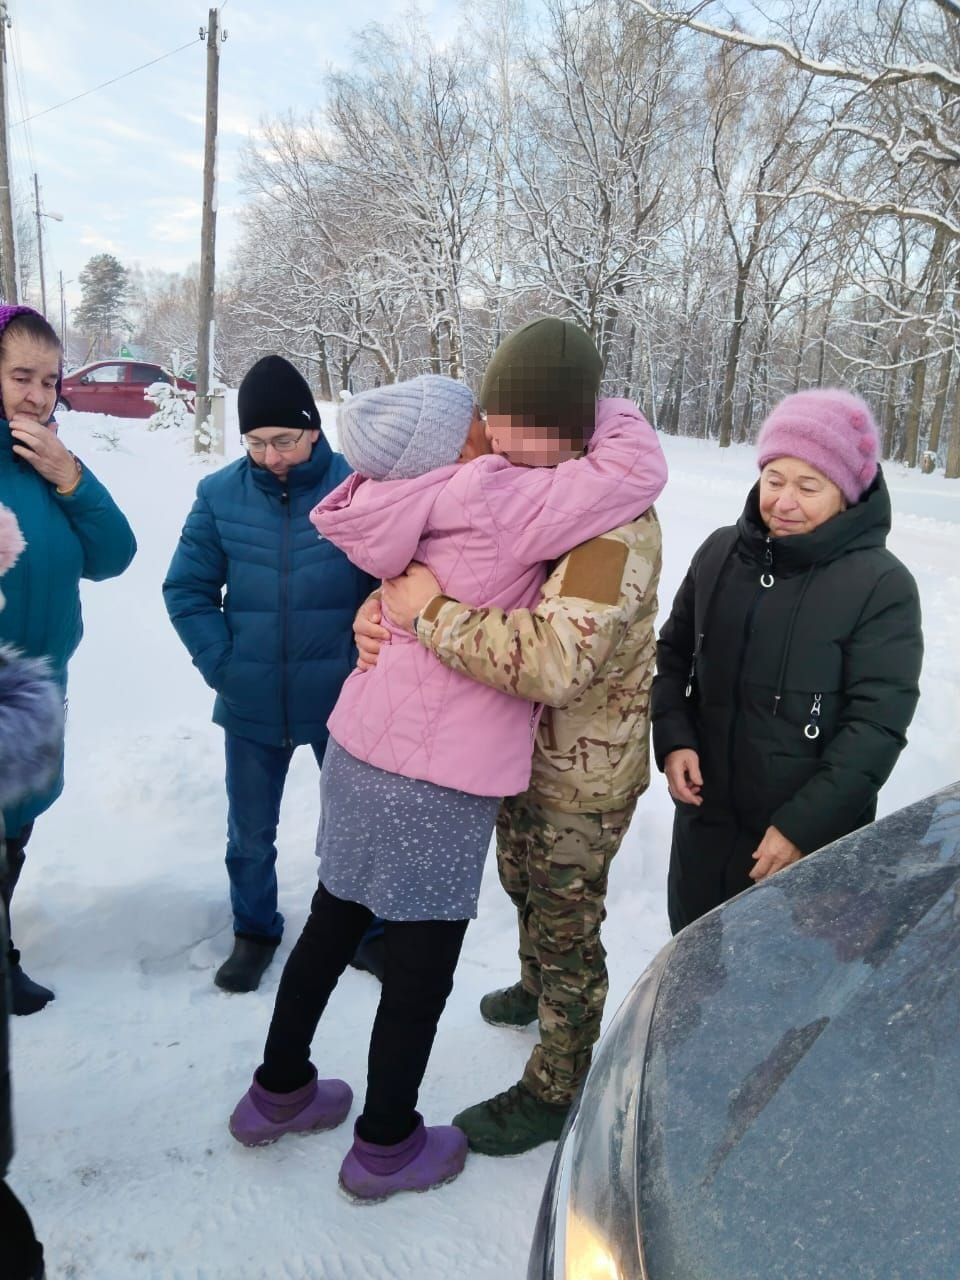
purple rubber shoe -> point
(261, 1117)
(428, 1158)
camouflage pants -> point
(554, 867)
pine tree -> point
(105, 284)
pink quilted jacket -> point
(486, 529)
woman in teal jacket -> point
(73, 529)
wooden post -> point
(952, 469)
(208, 235)
(43, 283)
(8, 252)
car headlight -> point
(593, 1188)
(586, 1254)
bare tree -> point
(590, 163)
(891, 135)
(730, 215)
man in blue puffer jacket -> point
(265, 608)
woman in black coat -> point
(31, 733)
(787, 671)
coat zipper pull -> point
(766, 578)
(811, 729)
(688, 691)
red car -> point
(115, 386)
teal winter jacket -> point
(85, 535)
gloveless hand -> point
(684, 779)
(39, 446)
(368, 633)
(773, 853)
(407, 596)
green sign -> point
(125, 351)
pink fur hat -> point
(829, 429)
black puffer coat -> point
(791, 666)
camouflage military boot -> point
(510, 1007)
(512, 1122)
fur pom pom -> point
(31, 725)
(11, 539)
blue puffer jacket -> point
(85, 535)
(277, 644)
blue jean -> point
(256, 774)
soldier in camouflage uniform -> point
(587, 653)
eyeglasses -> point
(282, 444)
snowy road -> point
(124, 1085)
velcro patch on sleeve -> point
(595, 571)
(432, 608)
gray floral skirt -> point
(407, 849)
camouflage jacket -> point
(586, 652)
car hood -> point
(799, 1101)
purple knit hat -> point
(829, 429)
(7, 314)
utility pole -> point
(8, 252)
(208, 237)
(43, 284)
(63, 316)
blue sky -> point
(124, 165)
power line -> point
(106, 84)
(17, 62)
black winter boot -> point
(510, 1006)
(246, 964)
(26, 996)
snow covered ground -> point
(124, 1085)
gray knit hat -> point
(405, 429)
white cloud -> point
(191, 159)
(236, 122)
(93, 239)
(120, 129)
(179, 223)
(41, 54)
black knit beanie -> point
(548, 371)
(275, 394)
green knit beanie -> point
(547, 371)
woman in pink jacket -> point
(420, 756)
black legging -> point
(16, 857)
(20, 1253)
(420, 957)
